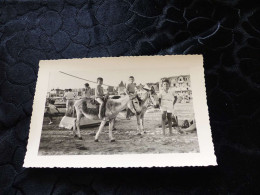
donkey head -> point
(154, 99)
(134, 105)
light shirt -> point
(69, 95)
(52, 109)
(131, 87)
(167, 98)
(87, 93)
(99, 91)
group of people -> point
(131, 89)
(167, 99)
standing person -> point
(167, 99)
(87, 91)
(51, 110)
(130, 90)
(99, 95)
(69, 96)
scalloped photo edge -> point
(52, 146)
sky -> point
(62, 81)
(113, 73)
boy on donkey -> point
(167, 99)
(87, 91)
(99, 95)
(130, 90)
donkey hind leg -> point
(142, 123)
(79, 115)
(138, 125)
(111, 126)
(103, 122)
(74, 128)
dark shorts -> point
(48, 114)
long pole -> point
(81, 78)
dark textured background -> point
(226, 32)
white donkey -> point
(86, 107)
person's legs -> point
(128, 111)
(169, 117)
(163, 121)
(49, 115)
(101, 102)
(70, 106)
(67, 107)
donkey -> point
(85, 107)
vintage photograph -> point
(118, 107)
(152, 116)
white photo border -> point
(192, 64)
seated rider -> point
(87, 91)
(99, 95)
(130, 90)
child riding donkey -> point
(86, 93)
(100, 97)
(108, 109)
(130, 90)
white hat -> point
(146, 87)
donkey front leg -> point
(78, 126)
(114, 128)
(138, 125)
(111, 126)
(74, 128)
(102, 124)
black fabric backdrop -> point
(226, 33)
